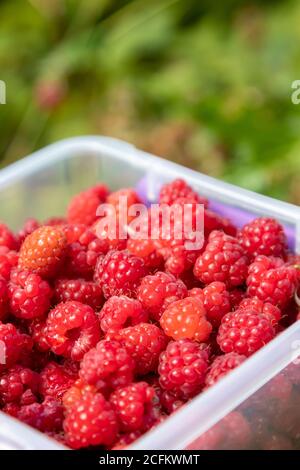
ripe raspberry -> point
(263, 236)
(271, 281)
(38, 331)
(158, 291)
(76, 392)
(29, 226)
(120, 312)
(122, 200)
(83, 253)
(72, 329)
(55, 380)
(180, 241)
(46, 417)
(132, 404)
(119, 273)
(42, 251)
(3, 299)
(223, 260)
(245, 331)
(80, 290)
(216, 301)
(91, 421)
(29, 295)
(170, 402)
(111, 238)
(73, 232)
(213, 221)
(221, 366)
(261, 307)
(8, 260)
(182, 368)
(145, 249)
(7, 238)
(178, 188)
(144, 343)
(19, 385)
(83, 207)
(185, 319)
(107, 366)
(12, 343)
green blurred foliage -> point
(207, 84)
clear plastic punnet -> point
(42, 184)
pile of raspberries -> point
(102, 338)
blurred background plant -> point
(206, 84)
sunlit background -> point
(204, 85)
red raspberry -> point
(144, 343)
(216, 301)
(12, 344)
(110, 233)
(83, 207)
(76, 392)
(73, 232)
(120, 312)
(182, 368)
(177, 238)
(46, 417)
(245, 331)
(260, 307)
(42, 251)
(72, 329)
(221, 366)
(82, 254)
(8, 260)
(222, 260)
(213, 221)
(91, 421)
(7, 238)
(157, 292)
(107, 366)
(186, 319)
(29, 295)
(170, 402)
(80, 290)
(271, 281)
(55, 380)
(263, 236)
(178, 188)
(145, 249)
(19, 385)
(29, 226)
(38, 332)
(120, 273)
(122, 200)
(3, 299)
(132, 404)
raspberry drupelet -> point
(186, 319)
(55, 380)
(178, 188)
(223, 260)
(182, 368)
(72, 329)
(19, 385)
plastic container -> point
(41, 185)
